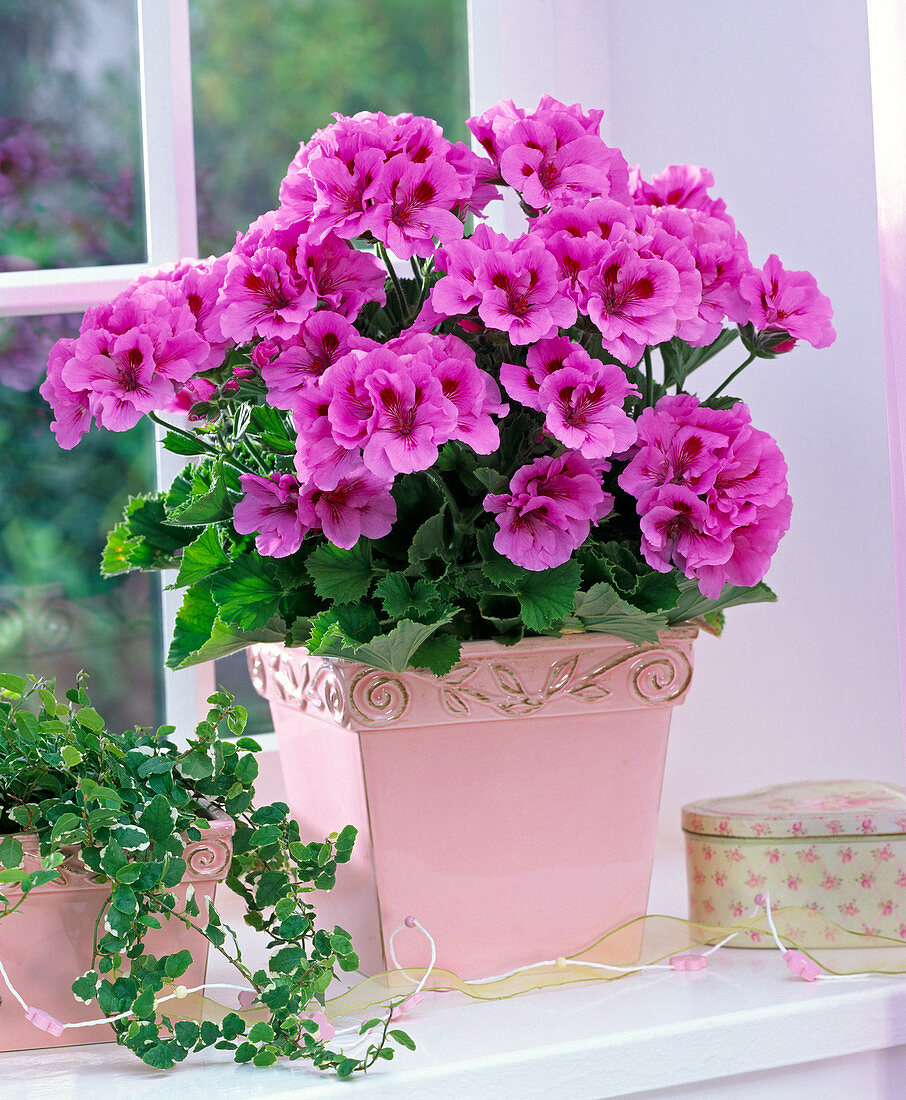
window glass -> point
(266, 75)
(70, 135)
(70, 197)
(57, 614)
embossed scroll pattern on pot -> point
(353, 695)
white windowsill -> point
(745, 1028)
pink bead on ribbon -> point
(802, 965)
(406, 1006)
(689, 962)
(44, 1021)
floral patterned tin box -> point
(838, 847)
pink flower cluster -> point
(641, 268)
(549, 510)
(711, 492)
(282, 512)
(582, 398)
(396, 178)
(133, 355)
(391, 407)
(277, 275)
(552, 155)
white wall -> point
(774, 98)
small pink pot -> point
(47, 943)
(510, 806)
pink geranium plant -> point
(405, 429)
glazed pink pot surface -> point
(47, 944)
(510, 806)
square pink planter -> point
(47, 943)
(510, 806)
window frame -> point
(168, 157)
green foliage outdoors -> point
(131, 802)
(266, 75)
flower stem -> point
(726, 382)
(182, 431)
(394, 278)
(438, 482)
(649, 379)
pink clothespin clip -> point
(802, 965)
(406, 1006)
(688, 962)
(44, 1021)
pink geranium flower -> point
(360, 504)
(788, 301)
(411, 418)
(413, 204)
(520, 293)
(548, 512)
(325, 337)
(711, 492)
(320, 459)
(682, 185)
(340, 276)
(122, 380)
(270, 507)
(631, 298)
(264, 297)
(72, 414)
(584, 409)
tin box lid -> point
(842, 807)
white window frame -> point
(168, 155)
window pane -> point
(70, 135)
(266, 75)
(57, 614)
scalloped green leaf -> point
(338, 574)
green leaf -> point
(13, 683)
(89, 717)
(261, 1033)
(211, 506)
(144, 539)
(177, 964)
(178, 444)
(692, 604)
(601, 609)
(158, 1056)
(157, 819)
(186, 1032)
(130, 837)
(85, 987)
(264, 1058)
(338, 574)
(405, 599)
(403, 1039)
(232, 1026)
(246, 593)
(202, 557)
(431, 539)
(113, 858)
(391, 652)
(10, 852)
(196, 766)
(71, 756)
(439, 654)
(545, 597)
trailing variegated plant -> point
(129, 803)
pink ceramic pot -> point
(510, 806)
(47, 943)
